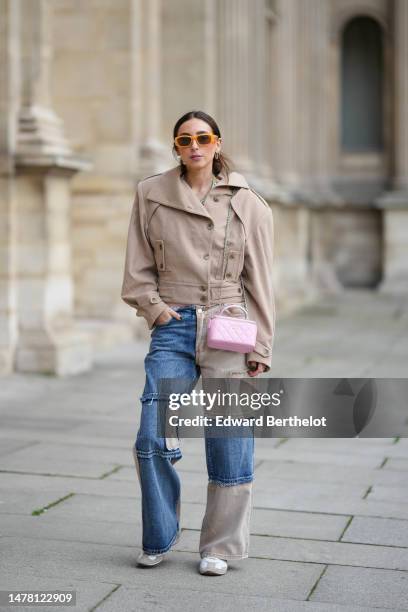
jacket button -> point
(203, 288)
(202, 298)
(232, 256)
(206, 256)
(228, 274)
(215, 198)
(154, 299)
(210, 225)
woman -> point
(180, 269)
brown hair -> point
(223, 163)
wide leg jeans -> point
(178, 349)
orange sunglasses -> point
(185, 140)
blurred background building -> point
(312, 100)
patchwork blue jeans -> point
(178, 349)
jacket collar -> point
(234, 179)
(170, 189)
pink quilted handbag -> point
(232, 333)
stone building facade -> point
(312, 100)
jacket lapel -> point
(171, 190)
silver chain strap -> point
(204, 199)
(225, 246)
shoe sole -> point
(213, 572)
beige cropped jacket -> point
(175, 251)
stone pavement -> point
(330, 518)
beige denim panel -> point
(226, 525)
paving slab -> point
(50, 527)
(15, 421)
(300, 492)
(8, 445)
(356, 446)
(379, 531)
(58, 467)
(89, 485)
(73, 452)
(315, 456)
(396, 464)
(401, 444)
(28, 437)
(98, 508)
(309, 471)
(384, 493)
(397, 451)
(14, 501)
(327, 504)
(364, 587)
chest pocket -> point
(232, 265)
(159, 254)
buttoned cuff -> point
(152, 309)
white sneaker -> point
(150, 560)
(213, 566)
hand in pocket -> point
(166, 316)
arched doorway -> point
(362, 148)
(362, 75)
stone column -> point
(8, 106)
(234, 91)
(314, 139)
(285, 104)
(154, 156)
(39, 127)
(395, 202)
(314, 103)
(260, 103)
(48, 341)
